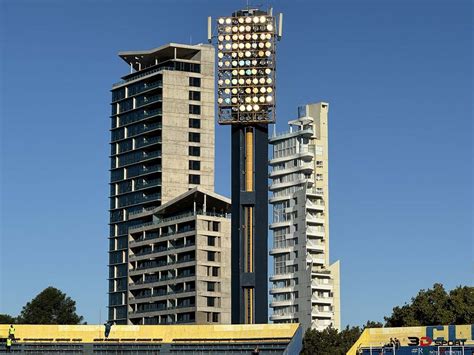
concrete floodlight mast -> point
(246, 51)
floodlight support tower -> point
(246, 44)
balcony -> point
(178, 217)
(304, 154)
(279, 277)
(318, 247)
(307, 132)
(276, 290)
(145, 141)
(160, 264)
(315, 232)
(306, 168)
(148, 100)
(141, 283)
(321, 300)
(322, 314)
(317, 218)
(310, 259)
(282, 303)
(282, 316)
(149, 297)
(318, 206)
(319, 285)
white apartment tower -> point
(306, 286)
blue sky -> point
(397, 75)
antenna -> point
(209, 29)
(280, 26)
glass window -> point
(194, 123)
(195, 109)
(211, 256)
(211, 301)
(195, 151)
(211, 241)
(211, 286)
(196, 82)
(194, 137)
(195, 95)
(194, 165)
(194, 179)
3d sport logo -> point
(427, 341)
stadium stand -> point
(155, 339)
(433, 340)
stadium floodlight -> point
(246, 66)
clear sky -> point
(396, 73)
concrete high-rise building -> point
(162, 145)
(179, 269)
(306, 286)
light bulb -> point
(248, 90)
(268, 45)
(268, 53)
(235, 37)
(227, 81)
(255, 36)
(220, 54)
(234, 54)
(254, 45)
(220, 100)
(255, 90)
(269, 89)
(262, 80)
(228, 20)
(241, 37)
(241, 81)
(255, 99)
(220, 64)
(249, 107)
(269, 99)
(262, 99)
(269, 80)
(220, 82)
(241, 20)
(242, 108)
(248, 53)
(256, 19)
(248, 99)
(228, 29)
(234, 63)
(263, 90)
(234, 91)
(235, 45)
(268, 71)
(248, 45)
(220, 38)
(248, 36)
(255, 81)
(248, 19)
(221, 21)
(241, 28)
(241, 45)
(256, 107)
(263, 19)
(234, 81)
(241, 72)
(227, 91)
(228, 46)
(235, 29)
(270, 28)
(248, 28)
(234, 100)
(227, 37)
(254, 71)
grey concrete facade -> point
(179, 270)
(305, 286)
(162, 144)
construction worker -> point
(11, 332)
(9, 344)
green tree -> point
(435, 306)
(329, 341)
(7, 319)
(50, 306)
